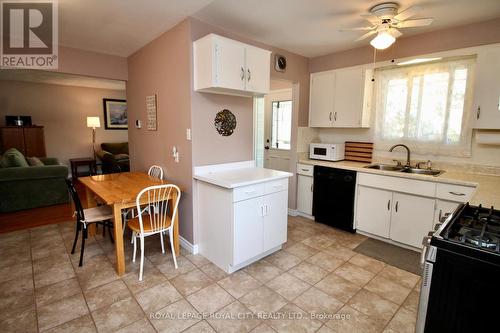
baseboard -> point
(293, 212)
(307, 216)
(188, 246)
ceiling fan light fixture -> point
(383, 40)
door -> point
(248, 229)
(321, 99)
(304, 194)
(257, 70)
(411, 219)
(230, 59)
(275, 219)
(443, 207)
(348, 98)
(487, 89)
(373, 211)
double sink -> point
(399, 168)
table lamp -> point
(93, 122)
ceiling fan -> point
(386, 20)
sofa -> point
(114, 157)
(23, 186)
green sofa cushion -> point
(115, 148)
(34, 161)
(13, 158)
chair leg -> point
(82, 249)
(142, 258)
(76, 237)
(109, 231)
(134, 241)
(103, 230)
(171, 235)
(162, 246)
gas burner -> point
(486, 241)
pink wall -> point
(163, 67)
(487, 32)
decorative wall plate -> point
(225, 122)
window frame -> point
(272, 124)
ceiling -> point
(306, 27)
(38, 76)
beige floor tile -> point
(350, 320)
(340, 252)
(354, 274)
(239, 284)
(201, 327)
(183, 266)
(91, 250)
(52, 246)
(52, 269)
(411, 302)
(288, 286)
(308, 272)
(210, 299)
(325, 329)
(263, 271)
(106, 294)
(62, 311)
(370, 264)
(263, 299)
(403, 321)
(301, 250)
(197, 259)
(17, 293)
(283, 260)
(325, 261)
(141, 326)
(291, 323)
(263, 328)
(15, 255)
(390, 290)
(298, 234)
(318, 242)
(418, 285)
(407, 279)
(95, 272)
(373, 305)
(20, 320)
(352, 240)
(337, 287)
(57, 291)
(175, 317)
(150, 278)
(83, 324)
(236, 318)
(191, 282)
(213, 272)
(117, 315)
(157, 297)
(317, 302)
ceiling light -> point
(417, 61)
(383, 40)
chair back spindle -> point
(76, 200)
(162, 201)
(156, 171)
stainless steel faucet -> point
(407, 152)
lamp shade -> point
(383, 40)
(93, 122)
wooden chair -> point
(156, 171)
(162, 202)
(99, 215)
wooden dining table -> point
(119, 190)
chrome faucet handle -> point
(428, 164)
(398, 163)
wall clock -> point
(279, 63)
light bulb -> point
(383, 40)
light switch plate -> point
(188, 134)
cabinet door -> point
(248, 229)
(304, 194)
(321, 99)
(275, 219)
(35, 142)
(348, 97)
(230, 59)
(411, 219)
(12, 138)
(487, 89)
(443, 207)
(373, 211)
(257, 70)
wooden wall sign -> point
(151, 112)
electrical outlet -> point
(188, 134)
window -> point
(281, 130)
(426, 106)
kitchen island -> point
(241, 212)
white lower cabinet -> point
(275, 219)
(304, 194)
(411, 218)
(444, 207)
(249, 229)
(374, 210)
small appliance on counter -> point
(327, 151)
(461, 272)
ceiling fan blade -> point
(407, 13)
(357, 29)
(371, 18)
(395, 32)
(368, 34)
(415, 23)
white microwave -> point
(327, 151)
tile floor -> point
(42, 289)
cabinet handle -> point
(249, 75)
(242, 74)
(330, 116)
(335, 116)
(389, 205)
(311, 187)
(457, 193)
(304, 169)
(478, 112)
(261, 210)
(250, 192)
(266, 210)
(440, 215)
(397, 203)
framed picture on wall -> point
(115, 114)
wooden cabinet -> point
(305, 188)
(341, 98)
(487, 88)
(28, 140)
(374, 210)
(226, 66)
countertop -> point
(487, 186)
(241, 176)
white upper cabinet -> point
(226, 66)
(487, 88)
(341, 98)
